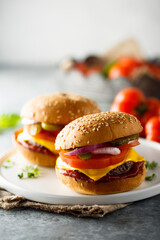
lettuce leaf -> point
(9, 120)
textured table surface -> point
(140, 220)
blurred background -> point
(37, 35)
(42, 32)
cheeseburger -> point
(97, 155)
(43, 118)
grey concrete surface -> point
(139, 221)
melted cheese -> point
(25, 136)
(96, 174)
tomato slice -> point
(96, 162)
(47, 135)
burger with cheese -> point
(43, 118)
(97, 155)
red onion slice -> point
(132, 141)
(86, 149)
(26, 121)
(107, 150)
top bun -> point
(97, 128)
(58, 108)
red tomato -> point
(153, 106)
(47, 135)
(96, 162)
(130, 62)
(85, 70)
(124, 67)
(116, 71)
(152, 129)
(81, 66)
(129, 100)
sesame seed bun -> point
(97, 128)
(99, 188)
(58, 108)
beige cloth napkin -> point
(10, 201)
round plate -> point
(48, 189)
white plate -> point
(48, 189)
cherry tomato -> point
(81, 66)
(152, 129)
(116, 71)
(130, 62)
(124, 67)
(153, 106)
(85, 70)
(129, 100)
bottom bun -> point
(100, 188)
(36, 157)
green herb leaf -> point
(20, 175)
(150, 178)
(85, 156)
(30, 172)
(107, 68)
(151, 165)
(8, 164)
(9, 120)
